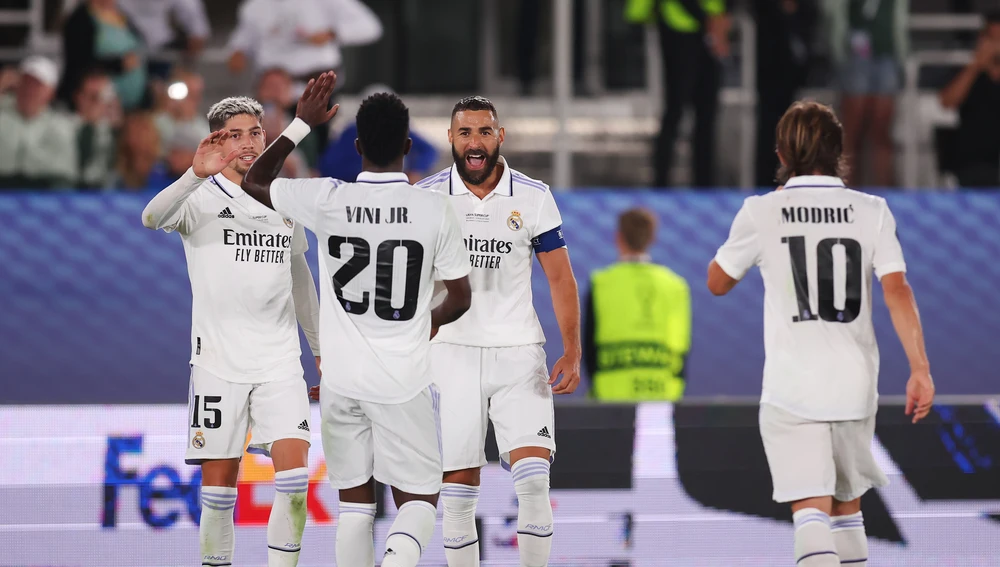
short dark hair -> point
(383, 127)
(228, 108)
(475, 103)
(638, 228)
(811, 141)
(991, 17)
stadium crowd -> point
(123, 112)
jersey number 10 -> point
(383, 276)
(824, 274)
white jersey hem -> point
(283, 370)
(363, 397)
(873, 409)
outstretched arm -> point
(165, 210)
(311, 111)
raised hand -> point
(211, 156)
(314, 100)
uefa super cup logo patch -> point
(514, 221)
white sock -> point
(813, 539)
(534, 511)
(461, 542)
(216, 526)
(288, 517)
(850, 539)
(355, 542)
(409, 534)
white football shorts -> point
(398, 444)
(819, 458)
(221, 413)
(508, 385)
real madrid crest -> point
(288, 223)
(514, 221)
(199, 440)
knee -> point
(468, 477)
(846, 508)
(531, 480)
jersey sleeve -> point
(888, 256)
(548, 233)
(299, 199)
(742, 250)
(450, 260)
(299, 243)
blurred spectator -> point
(637, 331)
(180, 150)
(869, 41)
(274, 123)
(154, 18)
(137, 162)
(302, 37)
(37, 145)
(182, 109)
(784, 31)
(98, 35)
(694, 36)
(341, 159)
(975, 92)
(97, 114)
(275, 94)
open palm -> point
(211, 157)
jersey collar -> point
(231, 189)
(814, 182)
(505, 187)
(382, 177)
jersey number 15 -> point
(383, 276)
(824, 274)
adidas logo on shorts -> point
(544, 432)
(304, 426)
(226, 214)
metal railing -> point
(913, 119)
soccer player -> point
(250, 282)
(817, 244)
(383, 244)
(491, 362)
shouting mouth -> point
(475, 160)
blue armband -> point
(549, 241)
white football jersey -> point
(817, 244)
(239, 254)
(501, 233)
(381, 242)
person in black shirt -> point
(975, 93)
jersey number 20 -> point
(824, 273)
(383, 276)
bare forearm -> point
(955, 93)
(906, 319)
(450, 310)
(257, 181)
(566, 304)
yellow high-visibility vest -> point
(642, 332)
(672, 11)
